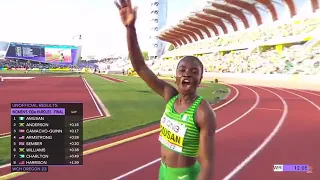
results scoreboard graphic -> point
(44, 134)
(46, 53)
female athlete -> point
(188, 123)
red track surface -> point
(43, 89)
(112, 79)
(296, 142)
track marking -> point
(269, 109)
(302, 97)
(308, 92)
(291, 98)
(265, 142)
(104, 78)
(99, 148)
(93, 118)
(231, 100)
(217, 131)
(244, 114)
(4, 135)
(113, 78)
(92, 96)
(18, 78)
(95, 97)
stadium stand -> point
(287, 44)
(232, 36)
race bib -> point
(172, 133)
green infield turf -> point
(132, 104)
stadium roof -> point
(225, 16)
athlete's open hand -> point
(127, 13)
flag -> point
(21, 162)
(21, 137)
(21, 124)
(21, 130)
(21, 149)
(185, 117)
(21, 143)
(21, 155)
(21, 118)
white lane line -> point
(96, 98)
(218, 130)
(92, 96)
(265, 142)
(269, 109)
(306, 92)
(302, 97)
(4, 135)
(93, 118)
(219, 107)
(231, 100)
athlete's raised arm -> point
(128, 17)
(206, 121)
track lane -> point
(296, 143)
(106, 159)
(234, 143)
(45, 89)
(246, 96)
(315, 98)
(233, 94)
(240, 106)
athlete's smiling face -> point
(189, 74)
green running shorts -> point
(188, 173)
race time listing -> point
(44, 134)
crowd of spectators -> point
(24, 64)
(292, 60)
(259, 34)
(236, 52)
(297, 58)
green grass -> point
(131, 104)
(5, 150)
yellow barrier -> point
(62, 69)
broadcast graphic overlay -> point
(292, 168)
(58, 54)
(44, 134)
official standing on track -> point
(188, 123)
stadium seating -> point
(255, 50)
(290, 47)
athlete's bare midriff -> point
(174, 159)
